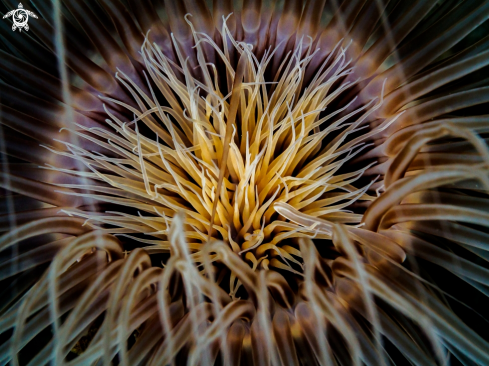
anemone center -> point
(265, 154)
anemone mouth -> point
(257, 183)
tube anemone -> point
(250, 182)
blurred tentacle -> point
(126, 27)
(430, 48)
(392, 35)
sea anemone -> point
(245, 183)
